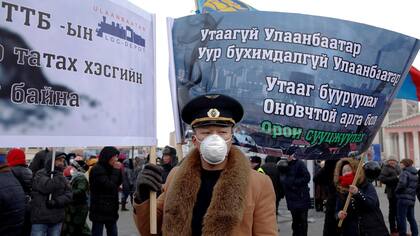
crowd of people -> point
(215, 190)
(42, 199)
(55, 196)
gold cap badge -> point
(213, 113)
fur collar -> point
(337, 173)
(228, 200)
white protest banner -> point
(76, 73)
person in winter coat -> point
(326, 178)
(127, 183)
(406, 197)
(16, 160)
(169, 161)
(389, 177)
(270, 169)
(77, 211)
(363, 217)
(39, 160)
(213, 191)
(295, 183)
(12, 200)
(104, 179)
(320, 188)
(47, 215)
(17, 163)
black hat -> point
(255, 159)
(168, 150)
(59, 155)
(212, 109)
(290, 151)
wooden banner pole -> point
(152, 197)
(179, 151)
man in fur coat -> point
(214, 191)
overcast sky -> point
(402, 16)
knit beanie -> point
(16, 157)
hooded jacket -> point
(40, 158)
(43, 186)
(364, 216)
(242, 203)
(104, 181)
(407, 185)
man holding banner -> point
(214, 191)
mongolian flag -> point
(411, 86)
(204, 6)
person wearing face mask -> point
(47, 215)
(213, 191)
(363, 216)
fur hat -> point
(337, 173)
(168, 150)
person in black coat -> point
(12, 201)
(105, 179)
(389, 177)
(326, 178)
(363, 217)
(295, 183)
(169, 161)
(17, 163)
(47, 215)
(270, 169)
(127, 183)
(406, 197)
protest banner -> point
(320, 84)
(76, 73)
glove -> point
(150, 179)
(51, 204)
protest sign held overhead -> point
(76, 79)
(319, 84)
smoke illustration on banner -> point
(319, 84)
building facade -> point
(399, 136)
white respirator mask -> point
(213, 149)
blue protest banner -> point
(319, 84)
